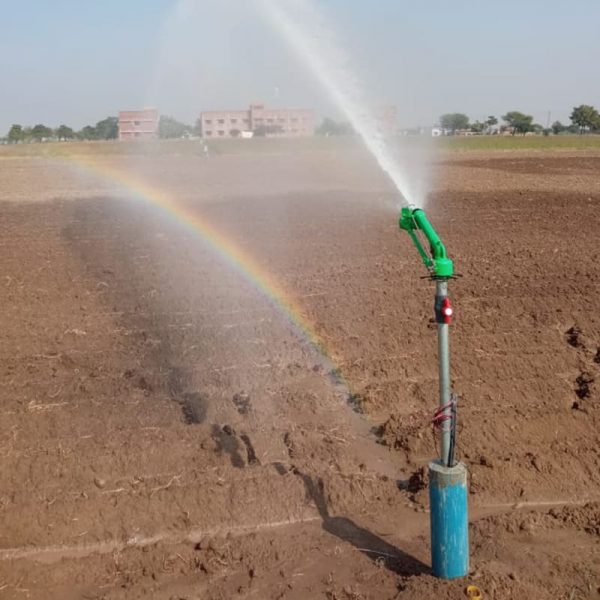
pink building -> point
(138, 124)
(283, 122)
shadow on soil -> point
(111, 237)
(368, 543)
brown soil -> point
(166, 433)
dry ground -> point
(166, 433)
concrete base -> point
(449, 520)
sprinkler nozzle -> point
(413, 220)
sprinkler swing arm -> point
(437, 262)
(447, 478)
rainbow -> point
(229, 252)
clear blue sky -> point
(76, 62)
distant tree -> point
(64, 133)
(478, 127)
(327, 127)
(16, 134)
(518, 122)
(558, 127)
(454, 121)
(107, 129)
(586, 117)
(491, 123)
(170, 128)
(88, 133)
(331, 127)
(345, 128)
(197, 128)
(572, 128)
(41, 132)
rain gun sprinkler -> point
(447, 477)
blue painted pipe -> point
(449, 520)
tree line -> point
(584, 119)
(106, 129)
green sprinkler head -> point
(438, 263)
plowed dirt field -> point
(167, 432)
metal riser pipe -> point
(441, 292)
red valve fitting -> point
(447, 311)
(443, 310)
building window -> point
(208, 133)
(233, 121)
(208, 122)
(270, 120)
(221, 132)
(294, 120)
(136, 123)
(221, 121)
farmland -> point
(166, 432)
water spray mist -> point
(302, 25)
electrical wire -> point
(452, 446)
(447, 414)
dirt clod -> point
(573, 337)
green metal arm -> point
(413, 219)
